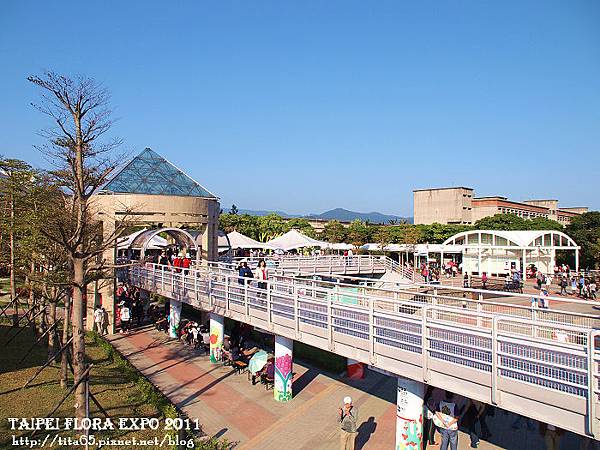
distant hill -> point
(347, 216)
(340, 214)
(261, 212)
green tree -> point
(334, 231)
(233, 210)
(81, 120)
(269, 227)
(501, 222)
(302, 225)
(358, 233)
(541, 223)
(585, 230)
(14, 192)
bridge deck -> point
(539, 363)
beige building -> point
(458, 205)
(443, 205)
(151, 192)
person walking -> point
(244, 272)
(447, 416)
(563, 285)
(98, 315)
(104, 323)
(348, 417)
(262, 274)
(125, 317)
(484, 280)
(552, 436)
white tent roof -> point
(418, 248)
(293, 239)
(340, 246)
(155, 243)
(522, 238)
(238, 240)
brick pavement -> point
(227, 405)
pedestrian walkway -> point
(227, 405)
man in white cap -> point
(347, 417)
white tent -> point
(340, 246)
(238, 240)
(293, 239)
(155, 243)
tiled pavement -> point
(227, 405)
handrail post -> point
(591, 376)
(424, 344)
(162, 278)
(246, 298)
(296, 310)
(330, 324)
(371, 330)
(226, 293)
(269, 318)
(494, 393)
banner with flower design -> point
(283, 378)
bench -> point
(240, 366)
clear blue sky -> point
(306, 106)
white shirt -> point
(125, 313)
(98, 315)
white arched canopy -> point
(496, 251)
(181, 237)
(521, 239)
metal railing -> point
(332, 264)
(542, 364)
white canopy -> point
(238, 240)
(340, 246)
(155, 243)
(417, 248)
(293, 239)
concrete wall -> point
(152, 211)
(448, 205)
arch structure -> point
(181, 237)
(499, 252)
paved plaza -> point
(227, 405)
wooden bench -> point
(240, 366)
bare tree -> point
(83, 156)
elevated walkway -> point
(335, 265)
(539, 363)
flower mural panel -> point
(283, 378)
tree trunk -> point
(78, 334)
(31, 298)
(64, 365)
(13, 289)
(52, 334)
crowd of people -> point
(132, 307)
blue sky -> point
(307, 106)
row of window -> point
(521, 213)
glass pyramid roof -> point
(150, 173)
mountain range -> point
(340, 214)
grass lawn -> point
(111, 385)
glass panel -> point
(502, 242)
(150, 173)
(473, 239)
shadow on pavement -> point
(365, 430)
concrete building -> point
(150, 191)
(443, 205)
(458, 205)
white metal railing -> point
(332, 264)
(491, 354)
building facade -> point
(458, 205)
(150, 191)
